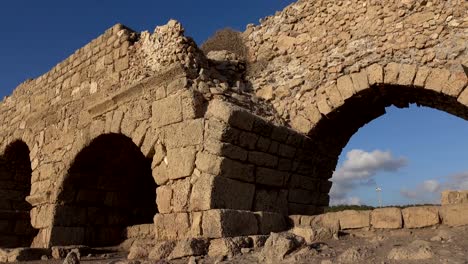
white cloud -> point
(431, 185)
(358, 169)
(360, 164)
(429, 190)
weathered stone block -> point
(183, 134)
(237, 170)
(229, 223)
(463, 97)
(360, 81)
(262, 159)
(421, 216)
(209, 163)
(248, 140)
(160, 174)
(437, 79)
(171, 226)
(221, 131)
(280, 134)
(211, 192)
(457, 81)
(391, 73)
(271, 201)
(303, 124)
(302, 196)
(350, 219)
(225, 149)
(286, 151)
(180, 195)
(345, 86)
(334, 96)
(189, 247)
(375, 74)
(228, 246)
(121, 64)
(300, 181)
(41, 216)
(181, 162)
(270, 222)
(407, 74)
(176, 85)
(262, 127)
(421, 76)
(386, 218)
(116, 121)
(167, 111)
(454, 197)
(230, 114)
(270, 177)
(454, 214)
(161, 250)
(324, 107)
(139, 134)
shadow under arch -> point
(331, 134)
(15, 185)
(108, 187)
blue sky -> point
(411, 153)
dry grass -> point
(226, 39)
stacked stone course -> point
(231, 152)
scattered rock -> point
(71, 258)
(229, 246)
(189, 247)
(301, 255)
(313, 233)
(278, 245)
(353, 255)
(259, 240)
(443, 235)
(162, 249)
(60, 252)
(138, 252)
(417, 250)
(25, 254)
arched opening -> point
(410, 154)
(15, 185)
(109, 187)
(332, 132)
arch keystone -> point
(421, 76)
(407, 74)
(360, 81)
(391, 73)
(345, 86)
(334, 96)
(301, 124)
(437, 79)
(455, 84)
(375, 74)
(463, 98)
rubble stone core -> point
(143, 135)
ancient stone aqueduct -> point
(143, 129)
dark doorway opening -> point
(109, 187)
(15, 185)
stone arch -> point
(108, 187)
(15, 186)
(358, 98)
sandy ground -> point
(430, 245)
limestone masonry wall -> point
(140, 130)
